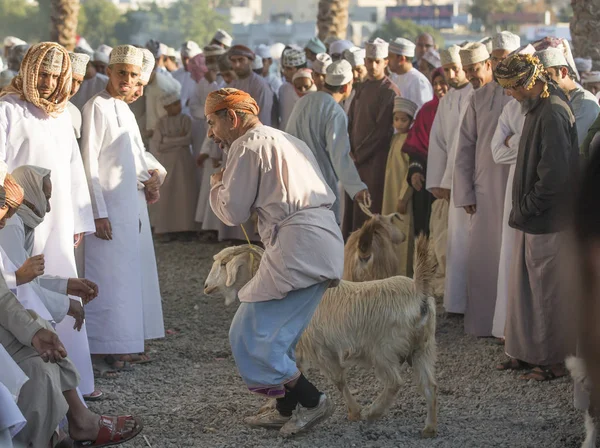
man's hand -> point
(363, 197)
(402, 206)
(441, 193)
(76, 312)
(216, 163)
(417, 180)
(152, 184)
(103, 229)
(216, 178)
(470, 209)
(77, 239)
(82, 287)
(152, 197)
(507, 140)
(31, 269)
(201, 159)
(48, 346)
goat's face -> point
(229, 273)
(392, 222)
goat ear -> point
(232, 269)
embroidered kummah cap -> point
(257, 63)
(488, 42)
(339, 73)
(126, 54)
(321, 63)
(525, 49)
(79, 63)
(189, 49)
(293, 58)
(148, 62)
(583, 64)
(405, 105)
(473, 53)
(223, 38)
(450, 56)
(264, 51)
(214, 50)
(316, 46)
(563, 44)
(355, 55)
(403, 47)
(377, 49)
(521, 70)
(102, 54)
(506, 40)
(433, 58)
(12, 41)
(52, 62)
(241, 50)
(552, 57)
(339, 46)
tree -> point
(22, 19)
(63, 17)
(407, 29)
(332, 18)
(97, 21)
(482, 9)
(585, 30)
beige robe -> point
(438, 236)
(170, 144)
(396, 187)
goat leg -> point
(389, 374)
(591, 427)
(337, 375)
(424, 373)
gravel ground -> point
(192, 396)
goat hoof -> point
(429, 432)
(354, 416)
(372, 416)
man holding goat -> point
(277, 176)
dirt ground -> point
(192, 396)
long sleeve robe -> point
(276, 175)
(510, 123)
(29, 137)
(585, 108)
(188, 85)
(479, 181)
(414, 86)
(259, 89)
(287, 100)
(321, 123)
(89, 89)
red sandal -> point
(113, 431)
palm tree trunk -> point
(585, 29)
(63, 16)
(332, 18)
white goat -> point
(592, 415)
(377, 324)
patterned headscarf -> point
(25, 83)
(197, 67)
(14, 192)
(229, 98)
(521, 70)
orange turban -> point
(229, 98)
(14, 192)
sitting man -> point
(276, 175)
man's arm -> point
(16, 319)
(92, 136)
(265, 102)
(463, 189)
(80, 194)
(437, 155)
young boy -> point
(397, 193)
(303, 82)
(319, 69)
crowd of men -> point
(477, 145)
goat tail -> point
(424, 270)
(577, 369)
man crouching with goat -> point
(275, 175)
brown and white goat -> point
(378, 324)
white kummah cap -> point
(505, 40)
(79, 63)
(264, 51)
(127, 54)
(293, 58)
(450, 56)
(591, 77)
(552, 57)
(148, 62)
(84, 50)
(433, 57)
(12, 41)
(102, 54)
(339, 73)
(525, 49)
(405, 105)
(223, 38)
(473, 53)
(583, 64)
(339, 46)
(170, 90)
(52, 62)
(6, 77)
(84, 47)
(403, 47)
(488, 42)
(214, 50)
(189, 49)
(171, 53)
(356, 56)
(321, 63)
(316, 46)
(377, 49)
(257, 63)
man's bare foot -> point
(83, 425)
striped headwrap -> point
(35, 62)
(521, 70)
(229, 98)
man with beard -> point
(370, 125)
(479, 186)
(356, 57)
(413, 84)
(545, 175)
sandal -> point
(513, 364)
(541, 374)
(117, 364)
(113, 431)
(103, 370)
(140, 358)
(97, 395)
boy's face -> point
(173, 109)
(402, 122)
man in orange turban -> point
(277, 175)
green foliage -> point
(407, 29)
(97, 20)
(481, 9)
(22, 19)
